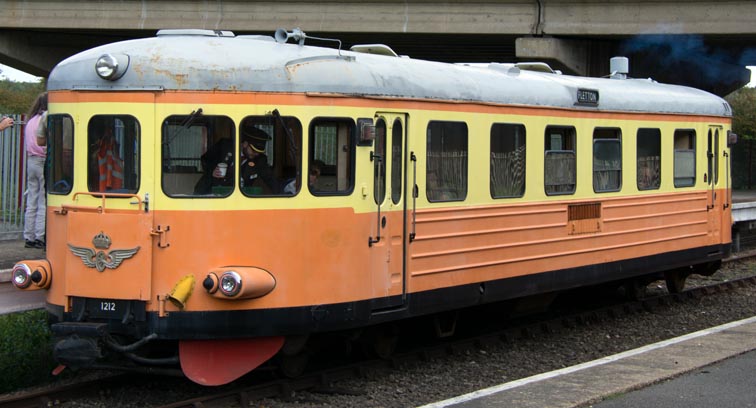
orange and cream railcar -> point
(400, 188)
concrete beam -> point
(568, 55)
(519, 17)
(391, 16)
(617, 17)
(36, 34)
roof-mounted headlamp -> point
(112, 66)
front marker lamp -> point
(230, 283)
(31, 275)
(21, 275)
(238, 282)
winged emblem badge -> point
(100, 258)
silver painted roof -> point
(191, 60)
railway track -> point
(321, 382)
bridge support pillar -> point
(570, 56)
(35, 53)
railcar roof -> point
(191, 60)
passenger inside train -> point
(316, 167)
(218, 167)
(256, 174)
(113, 154)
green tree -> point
(17, 97)
(743, 102)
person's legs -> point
(34, 217)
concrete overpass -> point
(705, 44)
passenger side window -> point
(649, 159)
(113, 154)
(685, 158)
(446, 163)
(331, 156)
(198, 156)
(560, 160)
(607, 160)
(507, 160)
(271, 155)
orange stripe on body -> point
(378, 103)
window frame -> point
(51, 162)
(271, 125)
(601, 138)
(137, 165)
(431, 194)
(691, 133)
(397, 161)
(379, 166)
(647, 134)
(548, 150)
(712, 156)
(206, 146)
(349, 162)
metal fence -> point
(12, 180)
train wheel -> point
(381, 341)
(634, 289)
(675, 280)
(294, 344)
(292, 366)
(707, 269)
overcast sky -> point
(16, 75)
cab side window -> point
(198, 156)
(271, 155)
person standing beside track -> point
(34, 218)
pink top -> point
(30, 138)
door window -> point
(397, 134)
(379, 162)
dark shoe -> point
(39, 244)
(29, 244)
